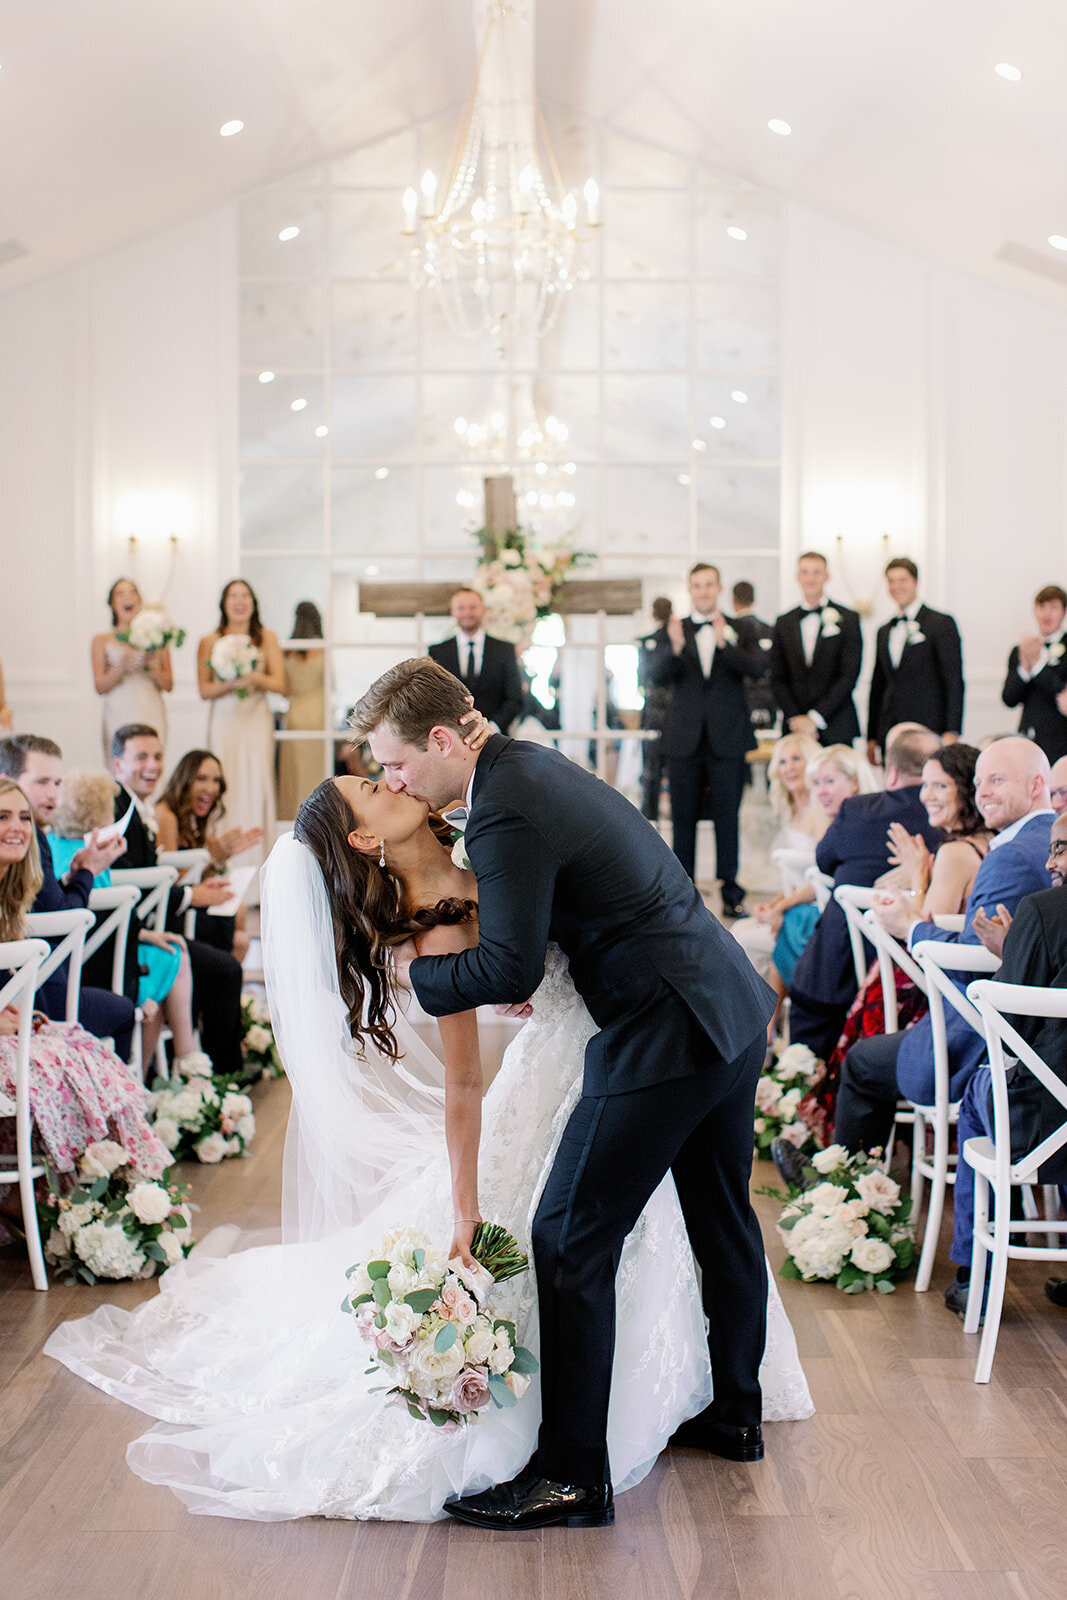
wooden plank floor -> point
(909, 1483)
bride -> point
(257, 1381)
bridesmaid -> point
(131, 682)
(300, 761)
(240, 729)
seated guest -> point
(1037, 674)
(1033, 945)
(80, 1092)
(1012, 794)
(489, 667)
(137, 762)
(36, 764)
(187, 818)
(159, 978)
(854, 849)
(1057, 786)
(802, 822)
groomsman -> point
(815, 660)
(1037, 675)
(708, 730)
(918, 665)
(489, 667)
(755, 634)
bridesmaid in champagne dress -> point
(301, 763)
(240, 730)
(130, 682)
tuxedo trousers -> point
(723, 777)
(217, 1004)
(614, 1153)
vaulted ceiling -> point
(110, 109)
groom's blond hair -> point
(409, 700)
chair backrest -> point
(854, 900)
(70, 929)
(823, 886)
(937, 960)
(792, 866)
(891, 955)
(153, 885)
(113, 908)
(189, 865)
(23, 958)
(992, 1001)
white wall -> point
(117, 414)
(922, 404)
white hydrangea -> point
(195, 1065)
(211, 1148)
(167, 1132)
(400, 1243)
(100, 1160)
(56, 1245)
(235, 1106)
(70, 1221)
(149, 1202)
(796, 1059)
(258, 1038)
(108, 1252)
(246, 1128)
(822, 1255)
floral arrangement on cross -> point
(520, 580)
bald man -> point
(1012, 793)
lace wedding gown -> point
(259, 1381)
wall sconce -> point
(861, 602)
(131, 547)
(157, 521)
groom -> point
(669, 1081)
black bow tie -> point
(814, 611)
(902, 618)
(707, 623)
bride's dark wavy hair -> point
(368, 912)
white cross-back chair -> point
(69, 929)
(148, 889)
(23, 959)
(823, 885)
(792, 868)
(188, 865)
(992, 1160)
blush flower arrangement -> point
(431, 1326)
(206, 1117)
(258, 1046)
(520, 581)
(781, 1087)
(850, 1227)
(115, 1223)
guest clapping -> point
(1037, 675)
(188, 816)
(131, 682)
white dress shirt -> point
(810, 629)
(463, 644)
(898, 631)
(705, 640)
(1043, 659)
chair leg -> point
(934, 1208)
(918, 1151)
(1050, 1199)
(979, 1254)
(38, 1269)
(995, 1300)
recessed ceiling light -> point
(717, 422)
(699, 444)
(776, 125)
(372, 571)
(297, 405)
(266, 377)
(684, 479)
(381, 472)
(1057, 241)
(287, 234)
(737, 233)
(321, 431)
(740, 396)
(1004, 69)
(228, 129)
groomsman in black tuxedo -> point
(755, 634)
(918, 665)
(489, 667)
(815, 660)
(1037, 675)
(708, 730)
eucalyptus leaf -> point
(501, 1394)
(524, 1361)
(446, 1338)
(420, 1300)
(378, 1269)
(382, 1292)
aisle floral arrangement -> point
(258, 1045)
(206, 1117)
(430, 1325)
(151, 629)
(115, 1223)
(782, 1086)
(850, 1227)
(233, 657)
(520, 581)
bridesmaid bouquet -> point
(151, 629)
(234, 657)
(851, 1227)
(115, 1223)
(430, 1325)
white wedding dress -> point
(258, 1378)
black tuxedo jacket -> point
(1035, 953)
(713, 708)
(755, 634)
(1041, 718)
(926, 687)
(826, 686)
(55, 896)
(498, 689)
(854, 849)
(560, 855)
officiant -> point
(489, 667)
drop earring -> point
(381, 858)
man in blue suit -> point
(1012, 793)
(855, 849)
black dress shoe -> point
(1056, 1289)
(530, 1501)
(792, 1166)
(734, 911)
(721, 1438)
(956, 1296)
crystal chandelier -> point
(503, 248)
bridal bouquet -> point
(781, 1088)
(852, 1227)
(151, 629)
(205, 1117)
(430, 1325)
(233, 657)
(257, 1041)
(116, 1223)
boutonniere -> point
(1055, 651)
(765, 644)
(460, 857)
(914, 632)
(729, 635)
(832, 616)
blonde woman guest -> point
(301, 761)
(240, 730)
(80, 1091)
(801, 825)
(158, 976)
(188, 817)
(130, 682)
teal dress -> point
(798, 924)
(157, 968)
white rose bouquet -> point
(520, 580)
(151, 629)
(781, 1088)
(233, 657)
(850, 1227)
(431, 1327)
(205, 1117)
(257, 1041)
(115, 1223)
